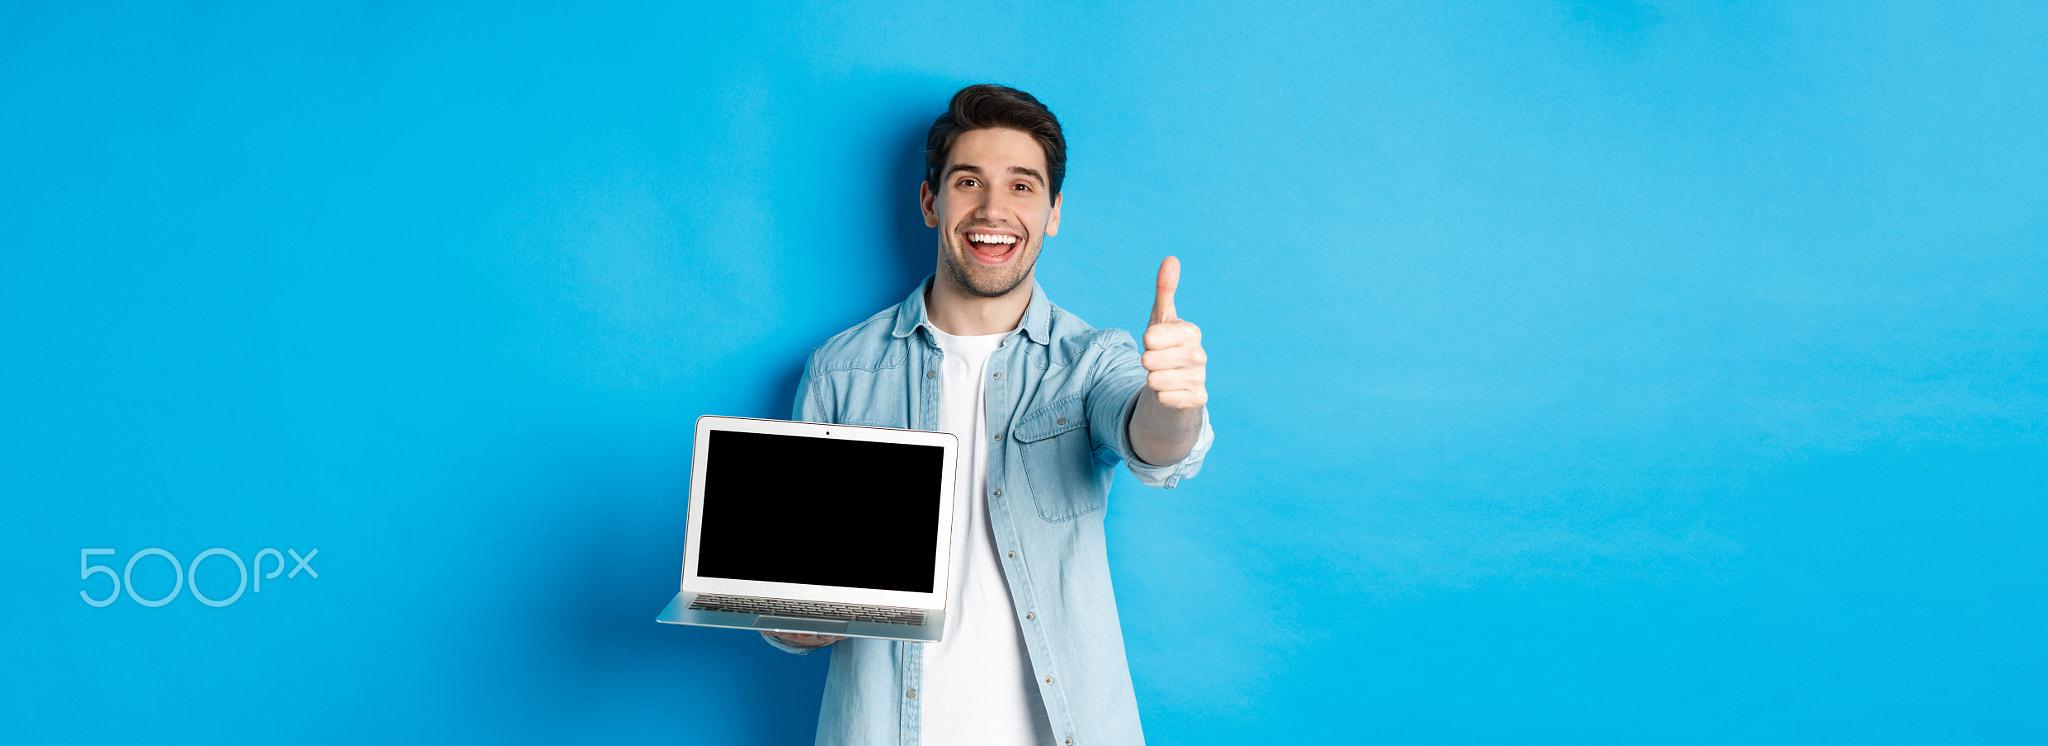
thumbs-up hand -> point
(1174, 362)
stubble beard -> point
(988, 282)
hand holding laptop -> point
(803, 641)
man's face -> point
(993, 209)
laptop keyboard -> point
(808, 609)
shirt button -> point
(1013, 555)
(931, 374)
(1070, 742)
(1028, 616)
(999, 493)
(999, 436)
(911, 694)
(1048, 679)
(999, 374)
(1061, 421)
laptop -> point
(818, 529)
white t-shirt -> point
(977, 683)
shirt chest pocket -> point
(1059, 463)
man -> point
(1045, 407)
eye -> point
(1021, 187)
(967, 183)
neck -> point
(963, 314)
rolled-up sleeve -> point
(1113, 401)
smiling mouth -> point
(992, 248)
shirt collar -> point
(1037, 316)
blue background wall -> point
(1583, 371)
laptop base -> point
(679, 612)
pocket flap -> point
(1052, 419)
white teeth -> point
(991, 238)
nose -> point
(988, 209)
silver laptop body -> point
(818, 529)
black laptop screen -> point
(822, 511)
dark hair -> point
(986, 106)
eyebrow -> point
(976, 170)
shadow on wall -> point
(915, 250)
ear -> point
(928, 202)
(1052, 223)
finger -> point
(1171, 334)
(806, 640)
(1174, 357)
(1184, 400)
(1162, 299)
(1177, 379)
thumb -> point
(1162, 302)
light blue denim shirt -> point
(1059, 396)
